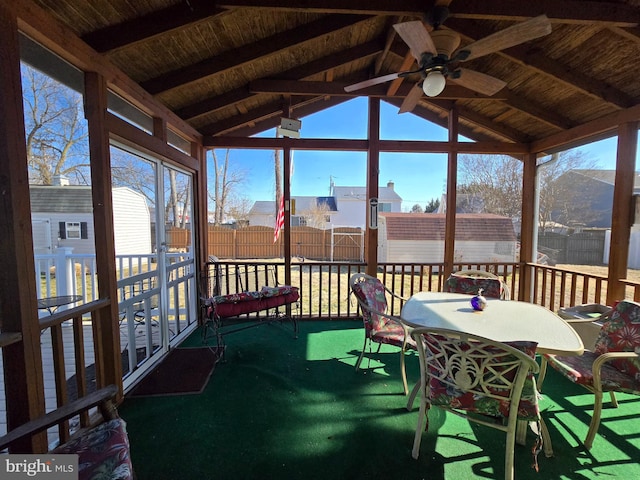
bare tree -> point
(416, 209)
(56, 133)
(495, 181)
(225, 180)
(317, 215)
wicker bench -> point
(102, 449)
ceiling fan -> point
(438, 56)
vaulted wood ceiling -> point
(230, 68)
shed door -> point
(41, 237)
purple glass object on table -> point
(478, 302)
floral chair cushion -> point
(492, 398)
(379, 328)
(103, 452)
(491, 287)
(579, 370)
(622, 334)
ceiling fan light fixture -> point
(434, 84)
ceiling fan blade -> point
(411, 100)
(371, 82)
(514, 35)
(479, 82)
(416, 36)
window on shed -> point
(74, 230)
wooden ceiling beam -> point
(246, 54)
(483, 122)
(172, 18)
(298, 88)
(567, 11)
(257, 115)
(530, 58)
(586, 132)
(321, 65)
(301, 109)
(414, 8)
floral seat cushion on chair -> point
(384, 329)
(613, 366)
(103, 452)
(460, 387)
(460, 283)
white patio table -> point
(501, 320)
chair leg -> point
(364, 347)
(403, 372)
(412, 397)
(614, 400)
(595, 420)
(509, 453)
(422, 416)
(542, 373)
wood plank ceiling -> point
(230, 68)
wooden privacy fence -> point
(338, 244)
(584, 248)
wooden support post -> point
(107, 334)
(527, 225)
(452, 184)
(23, 376)
(373, 172)
(622, 214)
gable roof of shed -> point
(61, 199)
(431, 226)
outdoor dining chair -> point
(379, 325)
(471, 281)
(484, 381)
(612, 366)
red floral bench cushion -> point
(103, 452)
(235, 304)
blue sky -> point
(418, 178)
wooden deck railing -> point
(324, 287)
(324, 294)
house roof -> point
(360, 193)
(605, 176)
(224, 68)
(303, 204)
(61, 199)
(431, 226)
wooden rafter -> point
(212, 104)
(249, 53)
(156, 23)
(561, 12)
(522, 55)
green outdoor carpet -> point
(281, 408)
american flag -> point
(279, 220)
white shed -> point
(419, 238)
(62, 216)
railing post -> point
(64, 272)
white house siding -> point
(351, 213)
(131, 222)
(80, 246)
